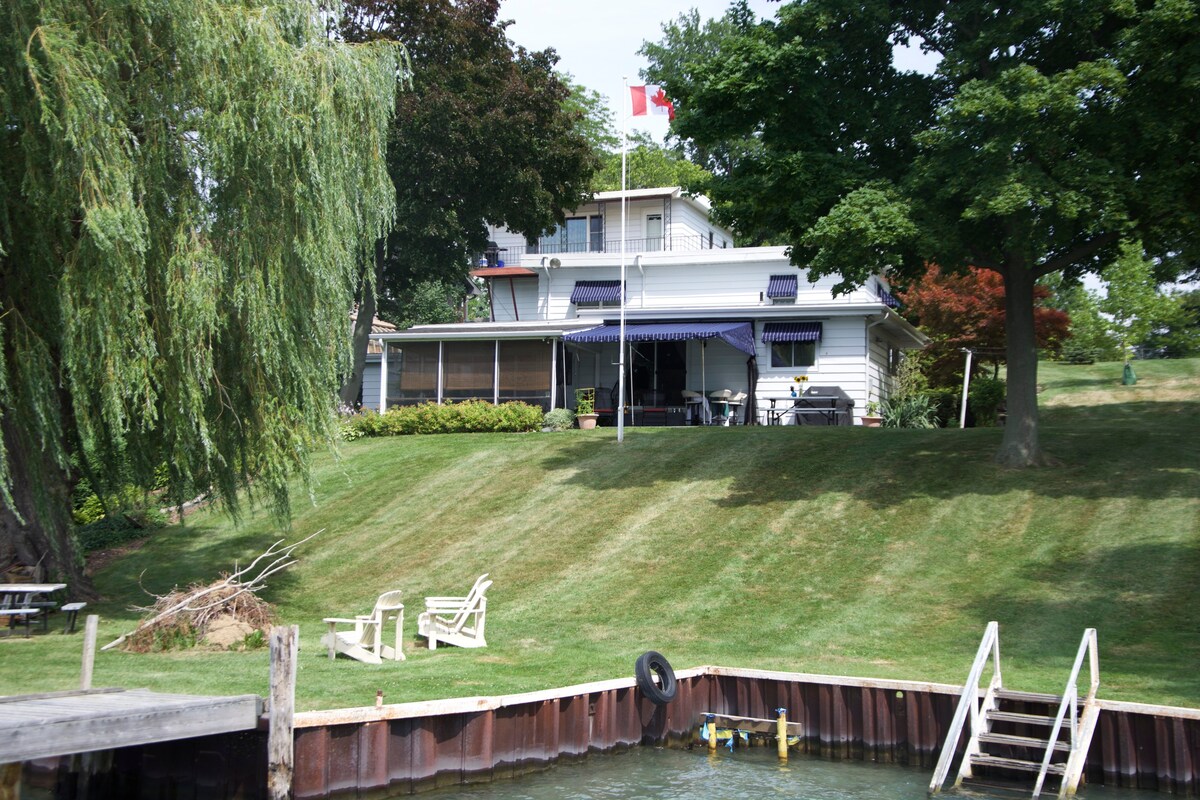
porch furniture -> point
(720, 398)
(456, 620)
(365, 641)
(697, 407)
(735, 404)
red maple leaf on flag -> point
(661, 101)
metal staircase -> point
(1006, 741)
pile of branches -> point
(179, 625)
(181, 618)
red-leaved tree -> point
(966, 310)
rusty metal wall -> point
(842, 719)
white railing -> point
(1070, 704)
(969, 702)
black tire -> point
(648, 665)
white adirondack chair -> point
(456, 620)
(365, 641)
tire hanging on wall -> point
(648, 665)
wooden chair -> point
(456, 620)
(365, 641)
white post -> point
(962, 416)
(383, 376)
(553, 373)
(89, 651)
(620, 409)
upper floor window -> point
(575, 235)
(782, 289)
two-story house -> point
(705, 322)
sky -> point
(597, 40)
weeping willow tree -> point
(187, 188)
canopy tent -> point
(739, 335)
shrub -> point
(559, 419)
(469, 416)
(984, 400)
(118, 529)
(946, 405)
(910, 411)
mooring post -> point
(90, 626)
(280, 753)
(711, 721)
(781, 733)
(10, 781)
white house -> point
(705, 322)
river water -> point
(753, 773)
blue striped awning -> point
(791, 332)
(596, 292)
(889, 299)
(736, 334)
(781, 286)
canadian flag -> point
(649, 100)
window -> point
(525, 371)
(793, 354)
(576, 235)
(596, 294)
(412, 372)
(654, 232)
(782, 289)
(468, 370)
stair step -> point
(1029, 697)
(1016, 764)
(1022, 741)
(1023, 719)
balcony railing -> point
(646, 245)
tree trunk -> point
(361, 335)
(37, 531)
(1020, 447)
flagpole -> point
(621, 346)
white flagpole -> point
(621, 346)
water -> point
(645, 772)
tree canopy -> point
(488, 135)
(1049, 133)
(187, 190)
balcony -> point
(649, 245)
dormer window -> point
(782, 289)
(596, 294)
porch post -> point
(441, 353)
(383, 376)
(496, 372)
(553, 373)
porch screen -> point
(525, 372)
(468, 370)
(412, 372)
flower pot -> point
(872, 421)
(586, 421)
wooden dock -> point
(62, 723)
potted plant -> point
(872, 419)
(585, 408)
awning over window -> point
(736, 334)
(791, 332)
(596, 292)
(889, 299)
(781, 286)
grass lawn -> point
(853, 551)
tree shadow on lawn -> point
(1101, 457)
(176, 560)
(1139, 597)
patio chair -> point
(456, 620)
(365, 641)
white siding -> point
(525, 290)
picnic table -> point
(18, 602)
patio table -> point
(17, 602)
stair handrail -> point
(1070, 701)
(968, 701)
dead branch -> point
(280, 558)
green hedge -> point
(470, 416)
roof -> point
(377, 325)
(649, 194)
(503, 272)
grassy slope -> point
(843, 550)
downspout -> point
(637, 262)
(546, 269)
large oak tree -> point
(1050, 132)
(187, 189)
